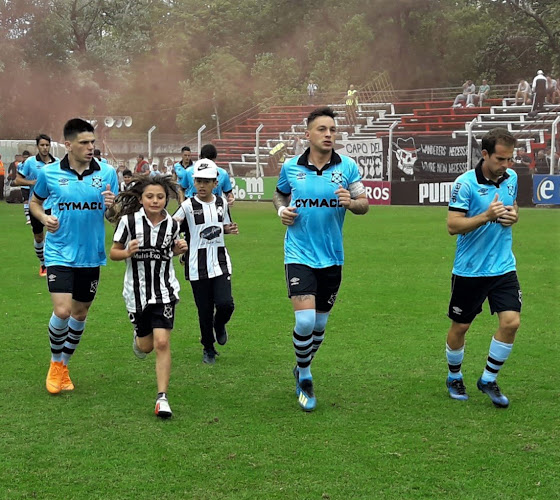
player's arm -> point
(354, 198)
(459, 223)
(50, 222)
(20, 180)
(286, 213)
(121, 252)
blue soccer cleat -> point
(457, 389)
(493, 392)
(306, 398)
(296, 376)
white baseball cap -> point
(540, 72)
(205, 169)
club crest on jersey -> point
(336, 177)
(220, 211)
(167, 240)
(63, 182)
(97, 182)
(93, 286)
(167, 311)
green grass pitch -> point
(384, 426)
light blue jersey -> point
(486, 251)
(315, 238)
(29, 170)
(223, 187)
(180, 172)
(78, 203)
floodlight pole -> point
(469, 144)
(390, 159)
(200, 138)
(260, 172)
(150, 141)
(553, 144)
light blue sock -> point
(454, 361)
(497, 355)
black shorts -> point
(25, 194)
(323, 283)
(36, 225)
(153, 316)
(81, 282)
(468, 295)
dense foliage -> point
(173, 63)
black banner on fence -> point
(431, 157)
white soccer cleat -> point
(162, 409)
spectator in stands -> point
(539, 92)
(550, 90)
(523, 93)
(461, 99)
(542, 162)
(522, 159)
(351, 105)
(98, 157)
(478, 99)
(311, 91)
(142, 166)
(12, 169)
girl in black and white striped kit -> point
(148, 238)
(205, 218)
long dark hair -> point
(128, 201)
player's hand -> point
(344, 198)
(496, 209)
(108, 196)
(288, 216)
(509, 218)
(231, 228)
(181, 246)
(230, 199)
(133, 247)
(51, 223)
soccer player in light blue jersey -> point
(482, 211)
(313, 194)
(27, 176)
(79, 190)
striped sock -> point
(39, 251)
(319, 331)
(497, 355)
(454, 361)
(75, 330)
(26, 210)
(58, 331)
(303, 341)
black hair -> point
(141, 156)
(42, 136)
(25, 152)
(127, 172)
(316, 113)
(209, 152)
(185, 148)
(96, 152)
(76, 126)
(128, 202)
(497, 135)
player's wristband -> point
(280, 210)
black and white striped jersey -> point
(150, 276)
(203, 225)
